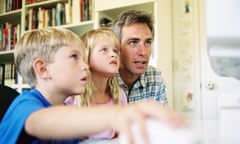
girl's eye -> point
(116, 51)
(103, 49)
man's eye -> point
(148, 43)
(133, 43)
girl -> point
(102, 51)
(102, 56)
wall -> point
(185, 56)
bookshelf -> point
(26, 15)
(98, 9)
(6, 59)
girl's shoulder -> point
(123, 97)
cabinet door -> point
(219, 45)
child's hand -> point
(139, 112)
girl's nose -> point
(113, 54)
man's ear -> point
(40, 68)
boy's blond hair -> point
(113, 88)
(41, 43)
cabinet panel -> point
(106, 4)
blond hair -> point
(113, 88)
(41, 43)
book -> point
(76, 11)
(60, 14)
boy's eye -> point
(74, 56)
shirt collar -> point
(140, 81)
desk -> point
(218, 131)
(161, 134)
(207, 131)
(100, 141)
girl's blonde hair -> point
(113, 88)
(41, 43)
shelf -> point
(11, 13)
(13, 17)
(43, 3)
(80, 28)
(6, 57)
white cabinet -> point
(202, 42)
(219, 39)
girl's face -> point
(68, 71)
(104, 58)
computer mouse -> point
(162, 133)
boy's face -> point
(68, 71)
(136, 48)
(104, 56)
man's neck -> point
(128, 78)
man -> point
(139, 80)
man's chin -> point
(139, 72)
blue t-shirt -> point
(12, 124)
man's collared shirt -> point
(150, 85)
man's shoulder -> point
(152, 75)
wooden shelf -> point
(13, 17)
(43, 3)
(6, 57)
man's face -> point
(136, 48)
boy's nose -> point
(85, 66)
